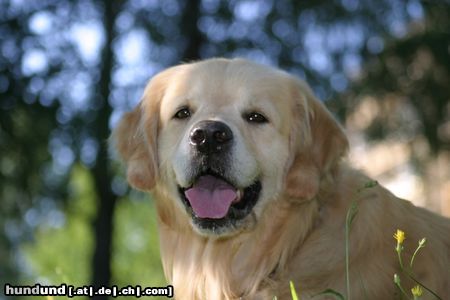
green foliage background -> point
(62, 255)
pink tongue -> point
(211, 197)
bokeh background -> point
(69, 69)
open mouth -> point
(214, 202)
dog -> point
(247, 169)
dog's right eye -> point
(182, 113)
(255, 117)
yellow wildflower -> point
(417, 291)
(399, 236)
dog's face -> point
(224, 138)
(220, 128)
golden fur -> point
(296, 230)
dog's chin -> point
(238, 217)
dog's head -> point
(224, 138)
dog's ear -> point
(139, 156)
(135, 138)
(317, 144)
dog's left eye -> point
(182, 113)
(254, 117)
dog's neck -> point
(245, 265)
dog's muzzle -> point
(213, 199)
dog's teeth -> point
(239, 196)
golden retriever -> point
(246, 168)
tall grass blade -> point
(293, 291)
(351, 213)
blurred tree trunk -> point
(103, 224)
(189, 30)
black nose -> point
(210, 137)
